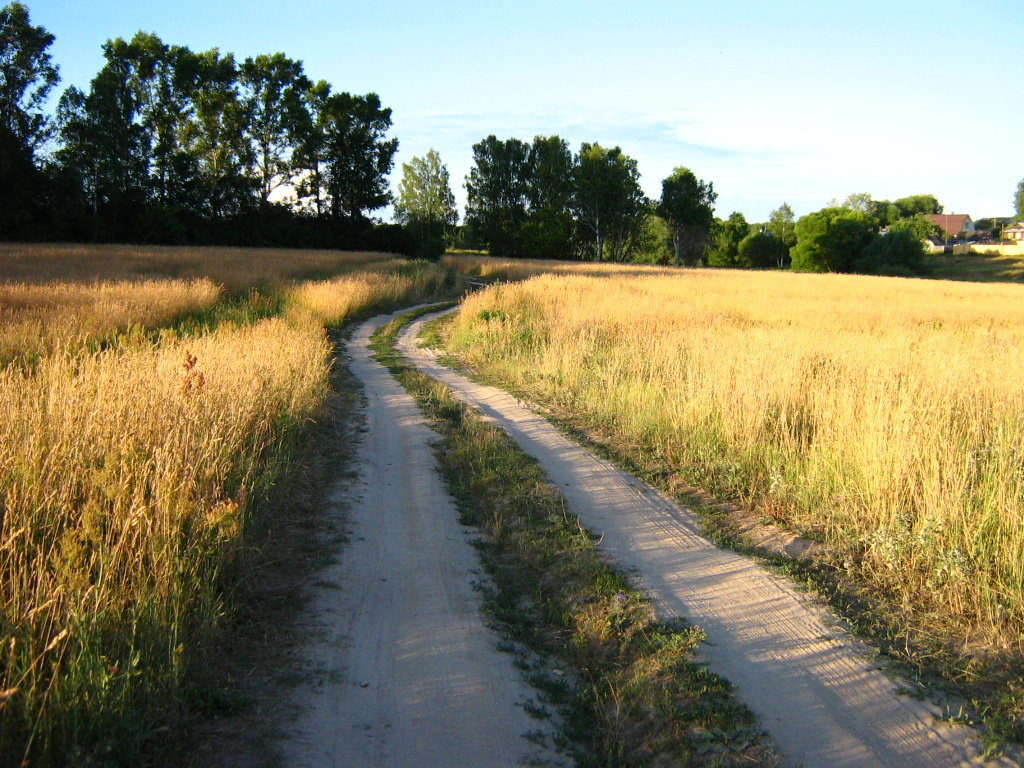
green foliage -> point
(357, 157)
(687, 204)
(607, 201)
(781, 223)
(272, 97)
(27, 74)
(168, 143)
(726, 238)
(899, 252)
(763, 250)
(548, 233)
(653, 243)
(426, 204)
(918, 226)
(917, 205)
(497, 190)
(1018, 199)
(830, 240)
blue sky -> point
(800, 102)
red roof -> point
(950, 223)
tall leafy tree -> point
(782, 224)
(215, 135)
(1018, 200)
(426, 204)
(272, 96)
(915, 205)
(162, 84)
(497, 193)
(311, 144)
(357, 156)
(725, 247)
(548, 230)
(27, 75)
(608, 201)
(103, 141)
(687, 204)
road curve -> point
(409, 676)
(814, 688)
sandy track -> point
(815, 689)
(410, 676)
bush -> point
(830, 240)
(763, 250)
(897, 253)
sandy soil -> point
(819, 692)
(409, 677)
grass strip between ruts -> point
(629, 690)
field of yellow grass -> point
(134, 451)
(882, 416)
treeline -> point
(542, 200)
(175, 146)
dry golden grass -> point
(884, 416)
(232, 268)
(129, 463)
(125, 479)
(37, 319)
(384, 286)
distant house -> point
(953, 224)
(1015, 232)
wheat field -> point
(135, 449)
(882, 416)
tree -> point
(1018, 200)
(898, 252)
(105, 146)
(653, 244)
(781, 223)
(859, 201)
(687, 204)
(426, 204)
(918, 226)
(311, 144)
(607, 200)
(27, 75)
(830, 240)
(548, 230)
(917, 205)
(497, 193)
(272, 98)
(357, 157)
(762, 250)
(725, 243)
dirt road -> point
(815, 689)
(410, 676)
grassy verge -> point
(630, 689)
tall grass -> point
(36, 319)
(233, 268)
(126, 477)
(130, 470)
(883, 416)
(384, 286)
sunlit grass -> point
(882, 416)
(155, 396)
